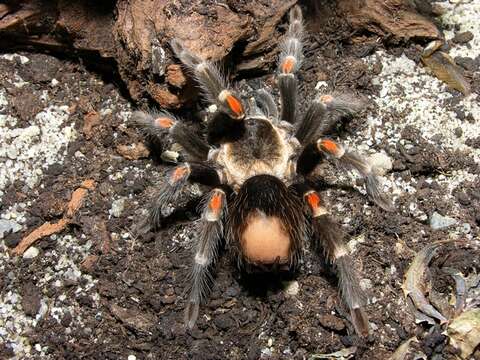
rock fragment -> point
(117, 207)
(331, 322)
(439, 222)
(381, 163)
(134, 151)
(31, 299)
(31, 253)
(7, 226)
(90, 121)
(292, 288)
(463, 37)
(134, 318)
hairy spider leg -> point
(157, 125)
(352, 160)
(289, 62)
(308, 126)
(209, 235)
(212, 82)
(313, 154)
(327, 237)
(170, 190)
(324, 112)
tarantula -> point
(259, 165)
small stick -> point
(48, 228)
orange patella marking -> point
(329, 146)
(179, 173)
(235, 105)
(313, 200)
(326, 98)
(288, 65)
(216, 202)
(164, 122)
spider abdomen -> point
(265, 240)
(266, 223)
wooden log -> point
(131, 37)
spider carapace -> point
(259, 164)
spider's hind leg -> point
(289, 63)
(328, 237)
(210, 233)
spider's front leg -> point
(176, 179)
(313, 154)
(227, 125)
(289, 63)
(210, 233)
(212, 81)
(328, 236)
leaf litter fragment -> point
(402, 351)
(464, 332)
(463, 329)
(48, 228)
(346, 353)
(444, 68)
(460, 289)
(416, 285)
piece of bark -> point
(81, 27)
(390, 17)
(90, 121)
(134, 318)
(89, 263)
(130, 38)
(27, 17)
(89, 24)
(43, 230)
(265, 40)
(175, 76)
(134, 151)
(144, 29)
(76, 201)
(48, 228)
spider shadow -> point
(262, 283)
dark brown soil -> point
(141, 280)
